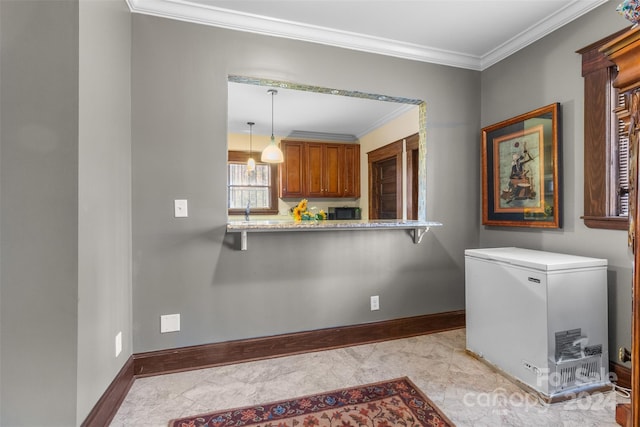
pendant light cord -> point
(250, 137)
(272, 153)
(273, 92)
(251, 164)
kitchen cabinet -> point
(324, 167)
(351, 171)
(319, 169)
(292, 170)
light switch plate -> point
(169, 323)
(118, 343)
(180, 208)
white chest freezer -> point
(540, 318)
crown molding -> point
(570, 12)
(322, 136)
(188, 11)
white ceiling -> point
(319, 115)
(471, 34)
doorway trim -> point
(394, 150)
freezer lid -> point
(539, 260)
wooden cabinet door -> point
(315, 170)
(292, 170)
(333, 155)
(319, 169)
(351, 171)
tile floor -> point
(466, 390)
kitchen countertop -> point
(286, 225)
(291, 225)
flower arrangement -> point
(301, 212)
(630, 9)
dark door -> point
(386, 199)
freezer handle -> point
(534, 280)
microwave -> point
(344, 213)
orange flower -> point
(249, 414)
(310, 421)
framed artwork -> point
(520, 170)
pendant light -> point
(272, 153)
(251, 164)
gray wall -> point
(69, 169)
(285, 282)
(546, 72)
(39, 199)
(104, 179)
(65, 228)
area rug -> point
(391, 403)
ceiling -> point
(307, 114)
(470, 34)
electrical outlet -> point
(169, 323)
(375, 302)
(118, 343)
(531, 367)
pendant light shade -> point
(251, 164)
(272, 153)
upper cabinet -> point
(351, 176)
(324, 164)
(317, 170)
(292, 171)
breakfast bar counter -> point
(419, 228)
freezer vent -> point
(575, 372)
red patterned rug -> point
(391, 403)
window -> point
(606, 182)
(622, 156)
(256, 189)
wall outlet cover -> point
(169, 323)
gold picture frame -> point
(520, 170)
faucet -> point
(247, 211)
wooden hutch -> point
(624, 51)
